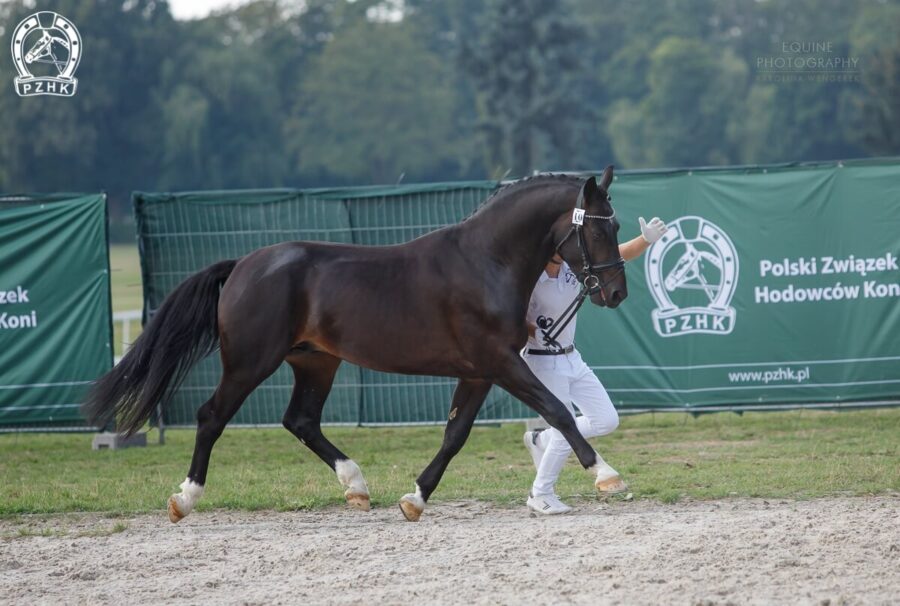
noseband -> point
(590, 281)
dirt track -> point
(827, 551)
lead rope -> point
(560, 324)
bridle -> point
(590, 281)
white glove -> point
(653, 230)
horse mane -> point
(513, 187)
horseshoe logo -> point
(46, 39)
(692, 272)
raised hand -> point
(653, 230)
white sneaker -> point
(531, 443)
(548, 504)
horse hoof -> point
(175, 514)
(358, 500)
(412, 507)
(613, 485)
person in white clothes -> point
(561, 369)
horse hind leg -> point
(212, 417)
(314, 375)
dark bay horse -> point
(449, 303)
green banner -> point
(773, 285)
(55, 331)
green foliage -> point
(872, 111)
(682, 73)
(524, 65)
(276, 92)
(218, 118)
(125, 284)
(666, 457)
(376, 104)
(79, 143)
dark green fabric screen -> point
(713, 320)
(55, 331)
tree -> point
(228, 91)
(316, 92)
(377, 104)
(98, 139)
(525, 66)
(871, 112)
(221, 116)
(682, 121)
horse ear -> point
(606, 178)
(589, 189)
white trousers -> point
(570, 380)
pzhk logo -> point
(48, 44)
(692, 273)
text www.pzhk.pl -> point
(782, 373)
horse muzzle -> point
(609, 297)
(609, 292)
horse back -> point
(390, 308)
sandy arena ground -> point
(825, 551)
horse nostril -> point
(615, 298)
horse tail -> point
(183, 330)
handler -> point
(565, 374)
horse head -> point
(587, 239)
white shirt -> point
(549, 300)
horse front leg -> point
(467, 401)
(516, 378)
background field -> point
(125, 268)
(667, 457)
(125, 279)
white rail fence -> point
(123, 325)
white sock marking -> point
(602, 470)
(416, 499)
(350, 477)
(189, 495)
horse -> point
(451, 303)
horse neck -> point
(517, 230)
